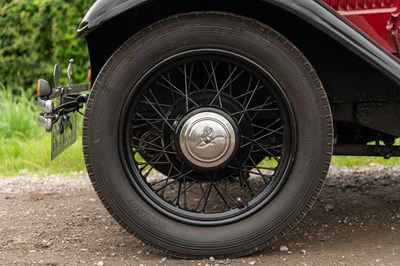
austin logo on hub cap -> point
(207, 139)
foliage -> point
(17, 119)
(37, 34)
(26, 146)
(34, 36)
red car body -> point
(378, 19)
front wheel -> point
(208, 134)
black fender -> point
(315, 12)
(104, 10)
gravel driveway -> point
(58, 220)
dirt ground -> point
(59, 221)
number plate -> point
(63, 134)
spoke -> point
(248, 91)
(227, 83)
(149, 142)
(144, 119)
(169, 177)
(158, 112)
(179, 189)
(216, 84)
(210, 77)
(274, 148)
(257, 109)
(178, 178)
(268, 134)
(186, 89)
(171, 89)
(208, 196)
(268, 127)
(265, 103)
(158, 150)
(183, 192)
(261, 167)
(190, 77)
(166, 181)
(243, 169)
(154, 103)
(230, 83)
(158, 155)
(175, 89)
(265, 149)
(252, 94)
(185, 205)
(171, 86)
(205, 195)
(224, 190)
(201, 187)
(266, 178)
(220, 194)
(148, 122)
(258, 170)
(243, 178)
(230, 80)
(158, 163)
(247, 143)
(152, 184)
(151, 166)
(249, 101)
(139, 126)
(277, 148)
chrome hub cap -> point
(207, 139)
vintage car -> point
(210, 124)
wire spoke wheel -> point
(208, 134)
(210, 137)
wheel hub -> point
(207, 138)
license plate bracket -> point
(63, 134)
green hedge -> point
(36, 34)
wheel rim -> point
(207, 137)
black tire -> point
(138, 118)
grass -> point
(17, 113)
(364, 161)
(33, 155)
(24, 146)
